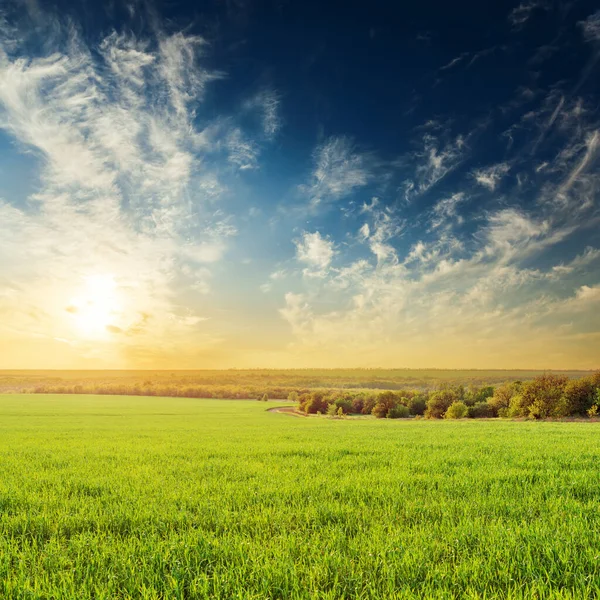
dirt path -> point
(287, 410)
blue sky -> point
(277, 183)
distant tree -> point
(358, 403)
(457, 410)
(439, 402)
(265, 397)
(344, 404)
(481, 410)
(369, 402)
(518, 406)
(578, 397)
(502, 395)
(417, 404)
(316, 404)
(543, 394)
(385, 402)
(398, 412)
(293, 396)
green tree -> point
(385, 402)
(542, 395)
(439, 402)
(457, 410)
(578, 397)
(417, 404)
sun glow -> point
(96, 308)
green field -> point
(109, 497)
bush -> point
(398, 412)
(343, 404)
(457, 410)
(578, 397)
(332, 410)
(417, 405)
(316, 404)
(386, 401)
(518, 407)
(439, 402)
(502, 396)
(293, 396)
(369, 402)
(481, 410)
(542, 395)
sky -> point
(274, 183)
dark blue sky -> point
(298, 183)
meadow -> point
(107, 497)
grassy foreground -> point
(130, 497)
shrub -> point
(332, 410)
(398, 412)
(517, 407)
(316, 404)
(457, 410)
(578, 397)
(385, 402)
(503, 413)
(293, 396)
(369, 402)
(417, 405)
(265, 398)
(482, 410)
(542, 395)
(502, 396)
(343, 404)
(358, 403)
(439, 402)
(593, 411)
(475, 394)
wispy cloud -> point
(122, 190)
(267, 102)
(339, 170)
(489, 177)
(522, 13)
(434, 161)
(591, 27)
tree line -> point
(549, 395)
(546, 396)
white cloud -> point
(489, 177)
(243, 153)
(267, 102)
(522, 13)
(435, 161)
(591, 27)
(339, 170)
(315, 251)
(446, 209)
(122, 189)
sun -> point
(96, 307)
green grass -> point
(117, 497)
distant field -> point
(109, 497)
(391, 379)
